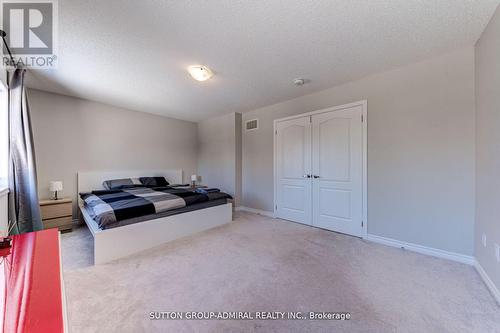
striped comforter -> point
(108, 207)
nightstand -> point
(57, 214)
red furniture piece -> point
(31, 292)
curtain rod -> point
(3, 35)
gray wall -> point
(420, 150)
(219, 153)
(73, 134)
(488, 147)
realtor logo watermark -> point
(31, 28)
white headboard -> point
(92, 180)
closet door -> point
(293, 169)
(337, 146)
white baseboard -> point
(77, 222)
(255, 211)
(487, 281)
(469, 260)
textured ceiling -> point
(134, 54)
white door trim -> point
(364, 105)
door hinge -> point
(362, 118)
(276, 207)
(276, 132)
(310, 119)
(362, 224)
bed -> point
(150, 231)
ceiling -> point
(134, 54)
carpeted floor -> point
(262, 264)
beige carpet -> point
(263, 264)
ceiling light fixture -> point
(299, 81)
(200, 73)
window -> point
(4, 135)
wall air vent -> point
(251, 125)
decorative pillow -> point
(153, 181)
(116, 184)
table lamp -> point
(194, 178)
(56, 186)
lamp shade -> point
(194, 178)
(56, 186)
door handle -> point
(306, 176)
(315, 176)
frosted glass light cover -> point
(200, 73)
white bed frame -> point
(114, 243)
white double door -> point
(319, 170)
